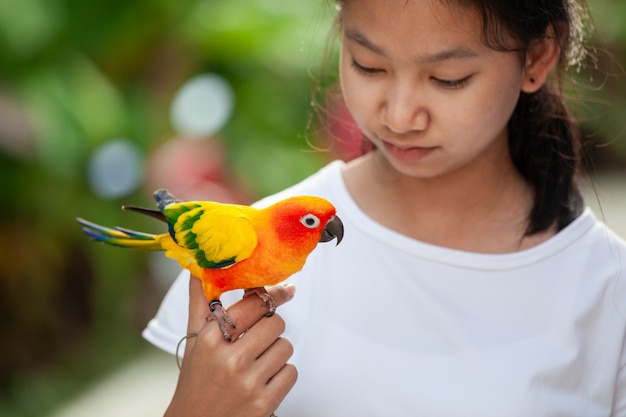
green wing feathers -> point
(219, 235)
(173, 211)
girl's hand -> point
(248, 377)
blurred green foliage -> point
(600, 97)
(75, 74)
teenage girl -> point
(472, 280)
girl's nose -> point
(404, 111)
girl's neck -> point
(484, 210)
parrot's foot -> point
(219, 313)
(262, 293)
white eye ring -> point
(310, 220)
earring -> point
(532, 80)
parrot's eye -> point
(310, 220)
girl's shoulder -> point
(319, 184)
(601, 234)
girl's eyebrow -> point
(457, 52)
(359, 38)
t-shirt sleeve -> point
(619, 402)
(619, 406)
(170, 323)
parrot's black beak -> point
(333, 229)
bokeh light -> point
(202, 106)
(115, 169)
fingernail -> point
(291, 289)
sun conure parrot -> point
(231, 246)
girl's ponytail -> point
(544, 141)
(545, 147)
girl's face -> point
(423, 88)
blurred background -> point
(103, 102)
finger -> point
(261, 336)
(198, 310)
(280, 384)
(198, 306)
(280, 295)
(274, 358)
(249, 310)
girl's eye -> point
(452, 84)
(364, 70)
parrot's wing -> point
(219, 235)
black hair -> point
(545, 142)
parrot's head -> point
(306, 220)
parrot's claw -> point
(262, 293)
(219, 313)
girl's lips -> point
(409, 153)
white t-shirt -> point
(384, 325)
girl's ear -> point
(541, 57)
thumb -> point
(198, 306)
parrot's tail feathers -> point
(163, 198)
(135, 234)
(148, 212)
(121, 237)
